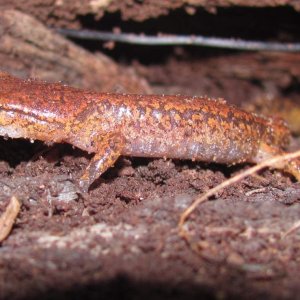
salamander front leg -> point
(108, 149)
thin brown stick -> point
(294, 228)
(190, 40)
(267, 163)
(8, 218)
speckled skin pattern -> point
(111, 125)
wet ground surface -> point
(121, 240)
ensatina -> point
(111, 125)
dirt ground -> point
(121, 241)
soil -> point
(120, 240)
(68, 12)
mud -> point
(68, 12)
(122, 238)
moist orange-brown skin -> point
(111, 125)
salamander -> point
(111, 125)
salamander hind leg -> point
(266, 151)
(109, 148)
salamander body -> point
(111, 125)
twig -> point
(190, 40)
(8, 218)
(267, 163)
(295, 227)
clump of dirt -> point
(122, 237)
(68, 12)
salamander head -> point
(10, 123)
